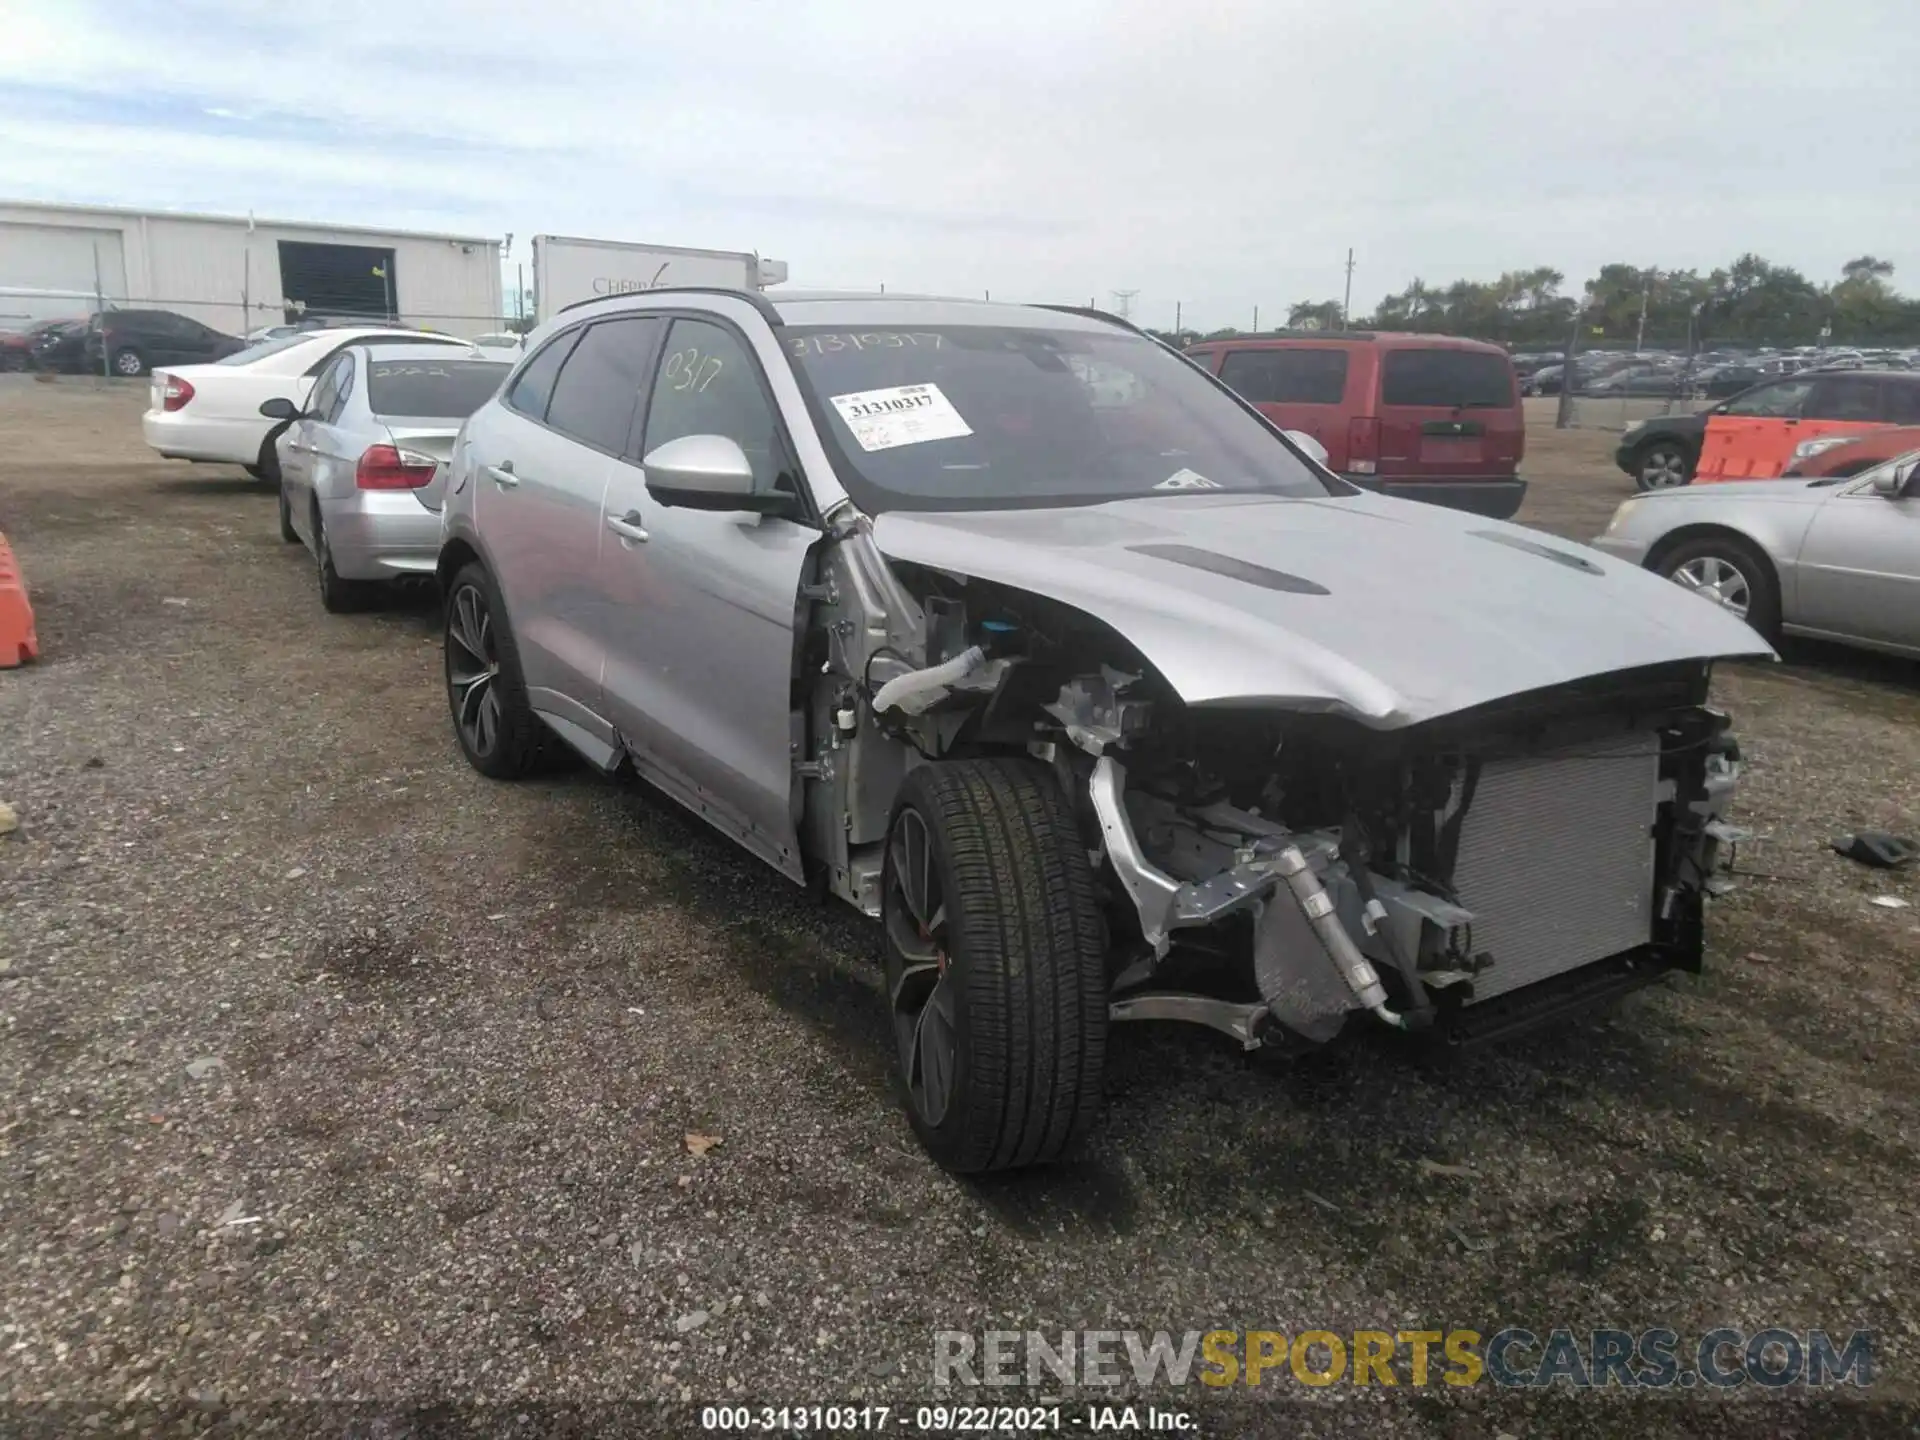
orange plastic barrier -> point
(18, 643)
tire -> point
(999, 1005)
(287, 532)
(1662, 465)
(1743, 578)
(337, 596)
(129, 363)
(516, 741)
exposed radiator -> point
(1556, 859)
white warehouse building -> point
(238, 273)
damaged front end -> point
(1471, 876)
(1273, 870)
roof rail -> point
(1092, 314)
(755, 298)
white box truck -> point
(566, 270)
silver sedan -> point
(356, 463)
(1838, 559)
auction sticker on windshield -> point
(902, 415)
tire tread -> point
(1025, 915)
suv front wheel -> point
(995, 964)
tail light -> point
(177, 394)
(1363, 446)
(382, 467)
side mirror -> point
(279, 408)
(708, 472)
(1306, 442)
(1894, 480)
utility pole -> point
(1256, 319)
(1346, 300)
(1646, 286)
(1563, 417)
(1123, 302)
(1176, 318)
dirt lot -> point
(270, 954)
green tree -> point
(1315, 315)
(1867, 267)
(1864, 307)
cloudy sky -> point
(1224, 154)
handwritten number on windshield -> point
(805, 345)
(689, 370)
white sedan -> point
(211, 413)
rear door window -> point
(534, 387)
(1844, 397)
(1448, 379)
(343, 390)
(1903, 403)
(599, 387)
(1780, 401)
(325, 390)
(1287, 377)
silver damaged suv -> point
(1019, 632)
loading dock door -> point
(338, 279)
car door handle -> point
(627, 526)
(502, 475)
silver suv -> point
(1021, 633)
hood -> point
(1790, 490)
(1391, 611)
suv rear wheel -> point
(995, 964)
(1661, 466)
(499, 733)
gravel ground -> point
(334, 1072)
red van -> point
(1425, 417)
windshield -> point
(264, 349)
(995, 417)
(437, 389)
